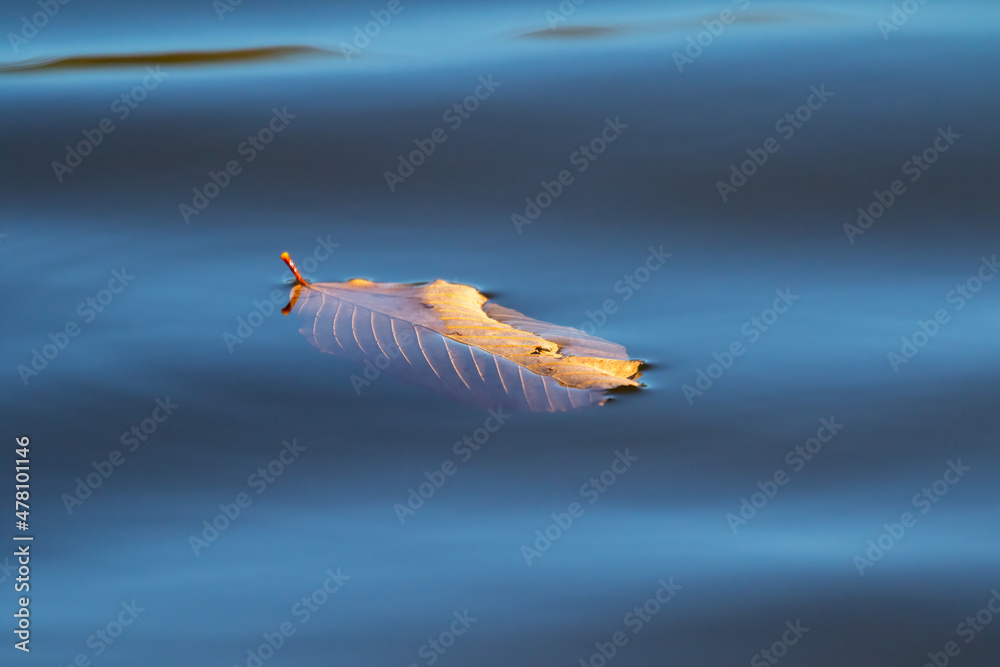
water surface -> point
(318, 189)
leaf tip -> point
(287, 259)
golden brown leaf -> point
(450, 338)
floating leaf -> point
(450, 338)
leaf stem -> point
(295, 270)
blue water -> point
(709, 430)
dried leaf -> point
(449, 338)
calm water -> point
(755, 481)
